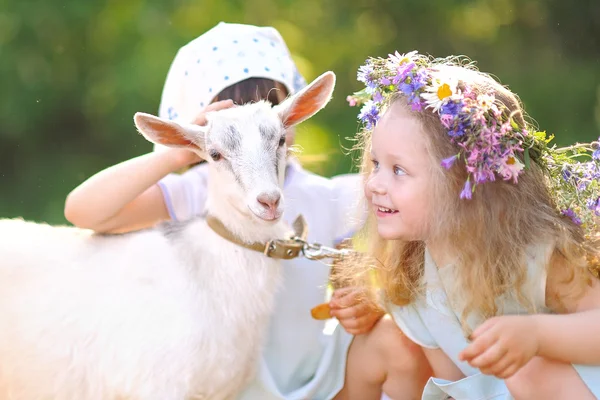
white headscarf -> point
(221, 57)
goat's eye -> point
(281, 141)
(215, 155)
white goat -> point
(174, 312)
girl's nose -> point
(375, 185)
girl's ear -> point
(308, 101)
(169, 133)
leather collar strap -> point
(284, 249)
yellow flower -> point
(444, 91)
(440, 91)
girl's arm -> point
(573, 337)
(502, 345)
(442, 365)
(125, 197)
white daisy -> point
(397, 59)
(485, 101)
(440, 91)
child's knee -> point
(397, 349)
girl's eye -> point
(215, 155)
(281, 141)
(399, 171)
(375, 164)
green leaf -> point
(514, 124)
(526, 158)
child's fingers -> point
(342, 298)
(219, 105)
(216, 106)
(490, 357)
(509, 371)
(359, 325)
(495, 369)
(477, 347)
(483, 328)
(351, 312)
(342, 292)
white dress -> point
(432, 322)
(300, 360)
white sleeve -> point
(185, 194)
(348, 205)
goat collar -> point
(285, 249)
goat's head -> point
(245, 145)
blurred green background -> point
(74, 72)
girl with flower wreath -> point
(483, 235)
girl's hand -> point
(183, 157)
(355, 312)
(216, 106)
(502, 345)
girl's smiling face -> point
(399, 186)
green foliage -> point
(73, 73)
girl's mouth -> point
(384, 212)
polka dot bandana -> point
(221, 57)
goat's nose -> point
(269, 200)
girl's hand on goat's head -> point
(200, 119)
(183, 158)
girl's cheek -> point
(367, 192)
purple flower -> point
(417, 105)
(365, 75)
(449, 162)
(566, 174)
(594, 205)
(385, 81)
(369, 114)
(446, 120)
(364, 72)
(452, 108)
(571, 214)
(403, 71)
(412, 83)
(596, 154)
(377, 97)
(466, 192)
(484, 175)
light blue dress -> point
(431, 322)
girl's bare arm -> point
(442, 365)
(125, 197)
(573, 337)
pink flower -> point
(510, 168)
(446, 120)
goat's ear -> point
(169, 133)
(308, 101)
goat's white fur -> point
(174, 312)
